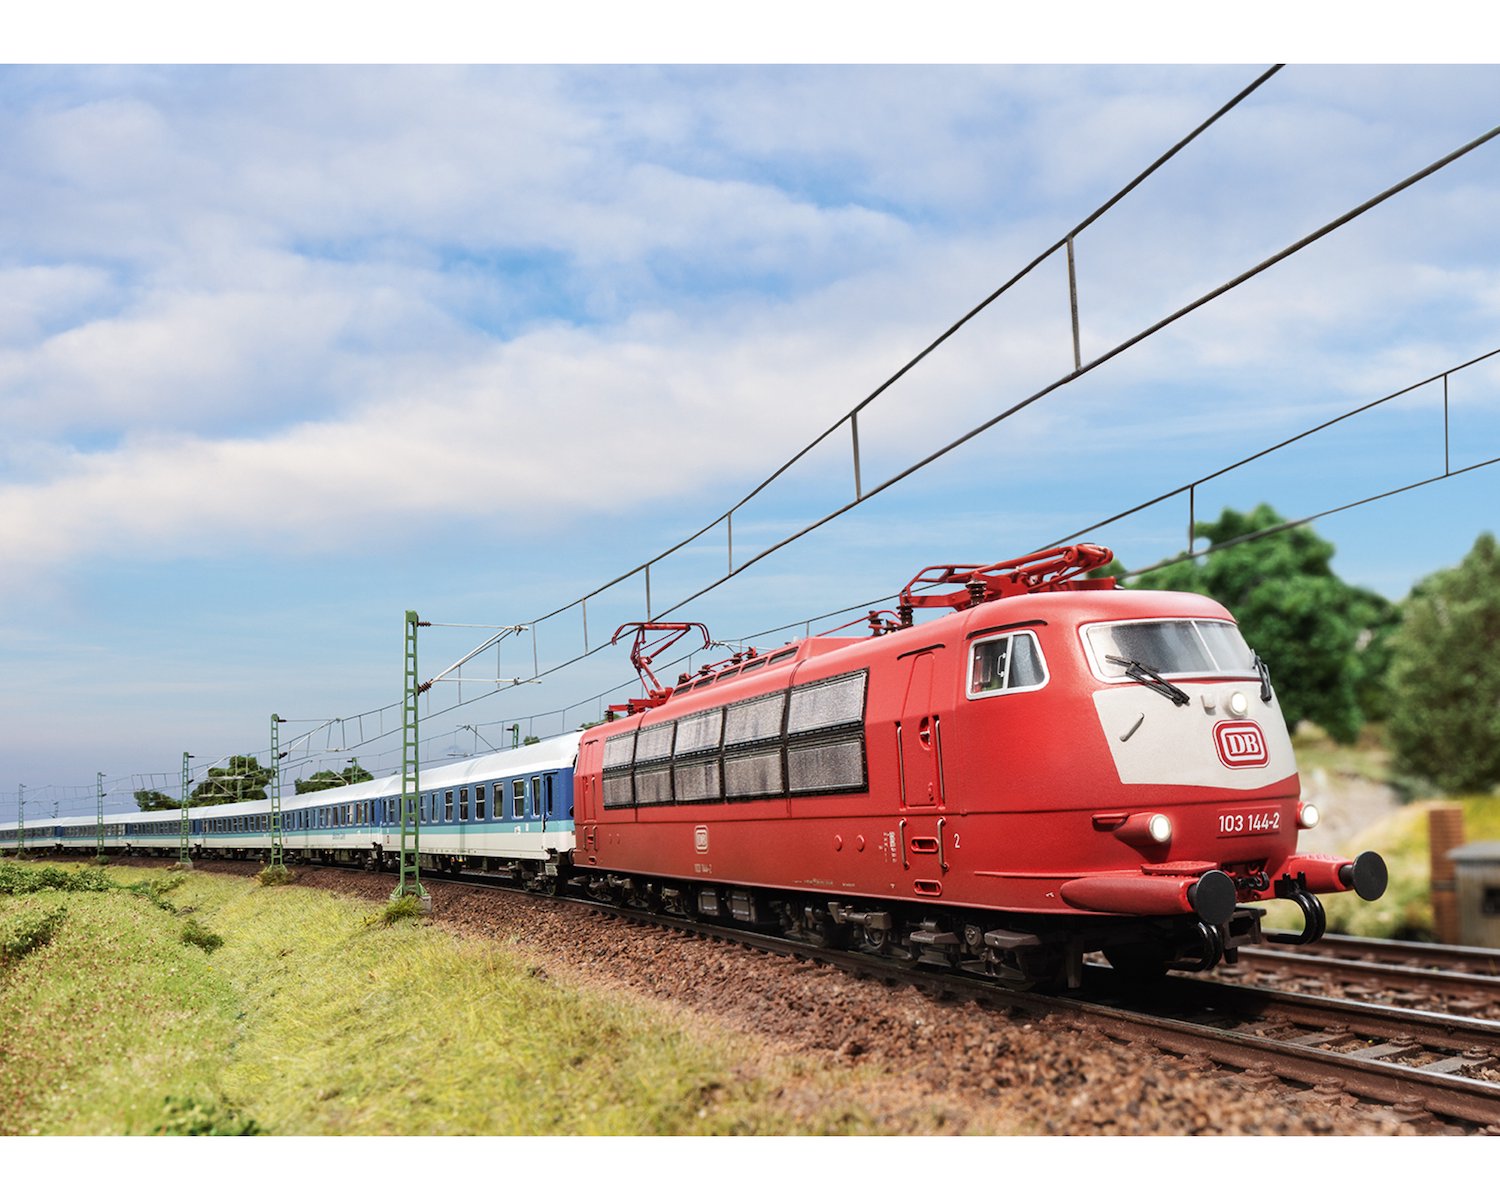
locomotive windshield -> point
(1171, 648)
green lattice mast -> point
(184, 839)
(276, 857)
(411, 821)
(20, 820)
(99, 820)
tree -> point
(150, 801)
(322, 780)
(242, 779)
(1325, 641)
(1445, 675)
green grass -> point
(1368, 758)
(1405, 911)
(28, 931)
(99, 1024)
(315, 1016)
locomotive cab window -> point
(1182, 647)
(1012, 663)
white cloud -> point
(35, 298)
(381, 298)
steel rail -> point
(1469, 960)
(1396, 975)
(1321, 1040)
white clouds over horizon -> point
(280, 346)
(225, 289)
(335, 292)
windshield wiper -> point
(1264, 672)
(1141, 673)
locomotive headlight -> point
(1238, 705)
(1308, 815)
(1144, 831)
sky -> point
(288, 351)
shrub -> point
(403, 908)
(194, 934)
(17, 881)
(187, 1117)
(155, 890)
(274, 876)
(1445, 675)
(28, 932)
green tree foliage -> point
(1445, 675)
(149, 801)
(322, 780)
(1326, 642)
(241, 779)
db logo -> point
(700, 839)
(1241, 744)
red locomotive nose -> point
(1365, 875)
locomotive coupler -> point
(1242, 929)
(1206, 954)
(1314, 920)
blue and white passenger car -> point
(510, 811)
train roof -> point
(768, 669)
(548, 755)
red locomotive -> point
(1055, 767)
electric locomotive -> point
(1055, 767)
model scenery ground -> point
(502, 1014)
(505, 1015)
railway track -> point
(1424, 1066)
(1471, 960)
(1456, 979)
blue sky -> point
(287, 351)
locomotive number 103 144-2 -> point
(1259, 820)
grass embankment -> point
(1405, 911)
(1367, 757)
(314, 1016)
